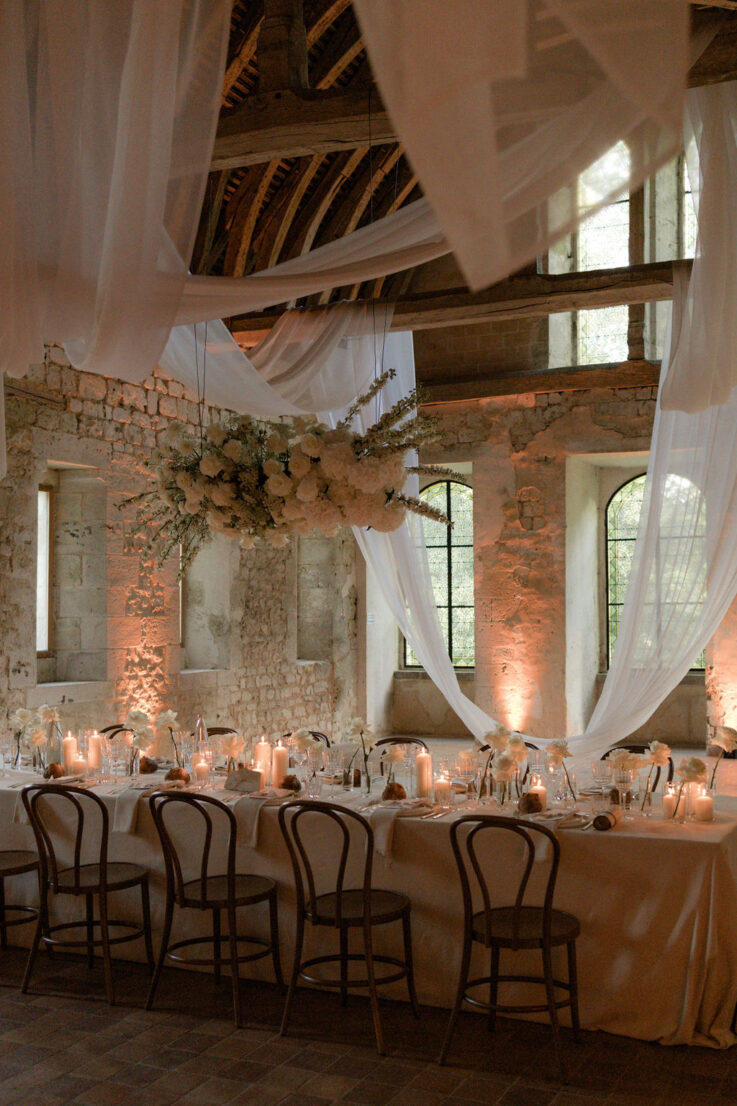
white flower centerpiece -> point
(32, 730)
(264, 480)
(557, 752)
(691, 770)
(658, 758)
(493, 743)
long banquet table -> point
(657, 903)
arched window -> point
(682, 498)
(450, 554)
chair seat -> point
(248, 889)
(119, 875)
(386, 906)
(563, 927)
(15, 861)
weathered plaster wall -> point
(527, 673)
(261, 685)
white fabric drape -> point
(707, 334)
(310, 361)
(107, 121)
(501, 105)
(399, 559)
(684, 570)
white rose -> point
(394, 754)
(48, 714)
(135, 719)
(38, 738)
(517, 749)
(299, 464)
(308, 488)
(496, 739)
(279, 484)
(166, 720)
(692, 770)
(233, 450)
(144, 738)
(659, 753)
(211, 465)
(310, 444)
(232, 745)
(277, 443)
(216, 434)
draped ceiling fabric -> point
(500, 109)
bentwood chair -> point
(317, 734)
(224, 891)
(475, 840)
(307, 822)
(642, 749)
(48, 806)
(15, 862)
(417, 741)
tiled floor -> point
(64, 1044)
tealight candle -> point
(424, 775)
(202, 772)
(442, 792)
(68, 751)
(78, 766)
(262, 756)
(704, 807)
(94, 752)
(279, 764)
(538, 788)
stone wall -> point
(60, 417)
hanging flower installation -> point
(263, 480)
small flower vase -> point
(501, 791)
(365, 782)
(133, 764)
(646, 809)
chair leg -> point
(296, 965)
(274, 935)
(493, 988)
(409, 963)
(460, 992)
(216, 942)
(3, 927)
(106, 958)
(34, 951)
(146, 915)
(343, 965)
(90, 915)
(166, 934)
(573, 982)
(233, 934)
(373, 994)
(550, 992)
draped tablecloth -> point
(657, 903)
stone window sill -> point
(420, 674)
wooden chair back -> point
(294, 817)
(74, 799)
(164, 803)
(467, 834)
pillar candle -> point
(279, 764)
(202, 772)
(704, 808)
(424, 775)
(670, 798)
(262, 756)
(442, 792)
(68, 751)
(538, 788)
(94, 752)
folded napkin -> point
(383, 815)
(125, 812)
(249, 813)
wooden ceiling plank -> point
(626, 374)
(244, 54)
(244, 221)
(280, 214)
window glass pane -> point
(683, 514)
(602, 335)
(603, 239)
(43, 571)
(450, 558)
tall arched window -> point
(450, 555)
(682, 499)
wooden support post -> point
(282, 46)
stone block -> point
(68, 570)
(67, 634)
(92, 386)
(168, 407)
(134, 396)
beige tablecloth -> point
(657, 903)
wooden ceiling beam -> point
(518, 297)
(300, 123)
(626, 374)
